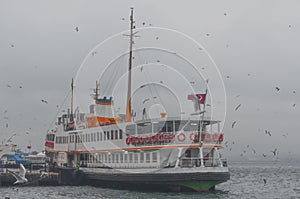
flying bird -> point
(77, 29)
(265, 181)
(268, 132)
(44, 101)
(225, 13)
(12, 45)
(264, 155)
(123, 18)
(277, 88)
(207, 34)
(232, 125)
(275, 151)
(294, 105)
(238, 106)
(143, 23)
(21, 176)
(9, 86)
(157, 38)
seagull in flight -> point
(233, 124)
(274, 152)
(236, 108)
(268, 132)
(21, 176)
(44, 101)
(277, 89)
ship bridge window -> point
(179, 124)
(130, 129)
(192, 126)
(163, 126)
(143, 128)
(98, 136)
(107, 134)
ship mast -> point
(128, 108)
(72, 101)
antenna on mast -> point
(72, 100)
(128, 117)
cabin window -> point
(125, 158)
(120, 134)
(136, 158)
(101, 136)
(179, 124)
(116, 134)
(142, 157)
(112, 158)
(112, 134)
(143, 128)
(147, 157)
(98, 136)
(107, 133)
(130, 129)
(121, 158)
(154, 157)
(157, 126)
(192, 126)
(117, 158)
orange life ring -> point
(161, 138)
(128, 140)
(194, 136)
(207, 137)
(181, 137)
(216, 137)
(141, 139)
(221, 137)
(148, 139)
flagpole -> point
(200, 127)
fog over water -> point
(254, 45)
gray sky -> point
(255, 43)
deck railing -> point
(207, 162)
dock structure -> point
(64, 177)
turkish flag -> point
(200, 97)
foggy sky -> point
(255, 43)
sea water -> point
(282, 180)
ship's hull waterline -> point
(168, 179)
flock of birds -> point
(21, 179)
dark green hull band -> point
(196, 185)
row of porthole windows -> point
(90, 137)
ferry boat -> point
(166, 153)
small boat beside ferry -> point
(165, 153)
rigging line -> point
(59, 109)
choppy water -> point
(283, 181)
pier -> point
(64, 177)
